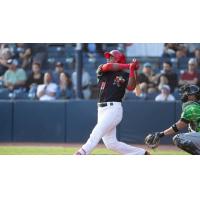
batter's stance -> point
(189, 142)
(113, 79)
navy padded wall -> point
(36, 121)
(6, 121)
(143, 117)
(81, 119)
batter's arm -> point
(114, 67)
(132, 81)
(119, 66)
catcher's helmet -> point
(187, 90)
(118, 55)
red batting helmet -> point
(119, 56)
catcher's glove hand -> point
(153, 140)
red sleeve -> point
(182, 76)
(114, 67)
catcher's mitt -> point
(153, 140)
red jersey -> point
(189, 76)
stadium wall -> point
(72, 121)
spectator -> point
(168, 77)
(191, 47)
(34, 79)
(197, 57)
(39, 53)
(85, 83)
(165, 94)
(59, 68)
(5, 55)
(144, 89)
(181, 58)
(64, 90)
(190, 76)
(148, 77)
(14, 78)
(47, 91)
(24, 54)
(169, 50)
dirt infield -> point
(161, 147)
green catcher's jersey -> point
(191, 115)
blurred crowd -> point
(178, 65)
(47, 71)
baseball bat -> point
(137, 89)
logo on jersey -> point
(103, 85)
(119, 80)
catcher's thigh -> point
(189, 142)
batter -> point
(114, 77)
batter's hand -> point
(135, 64)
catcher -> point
(190, 117)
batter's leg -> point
(111, 142)
(107, 119)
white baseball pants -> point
(108, 119)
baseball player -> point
(113, 79)
(190, 117)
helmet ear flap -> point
(182, 93)
(198, 96)
(184, 98)
(123, 59)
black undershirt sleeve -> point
(185, 120)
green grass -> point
(58, 150)
(168, 152)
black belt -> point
(105, 104)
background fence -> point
(72, 121)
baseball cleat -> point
(77, 153)
(147, 153)
(80, 152)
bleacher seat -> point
(4, 94)
(22, 96)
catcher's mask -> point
(188, 90)
(118, 56)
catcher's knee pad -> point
(186, 145)
(177, 139)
